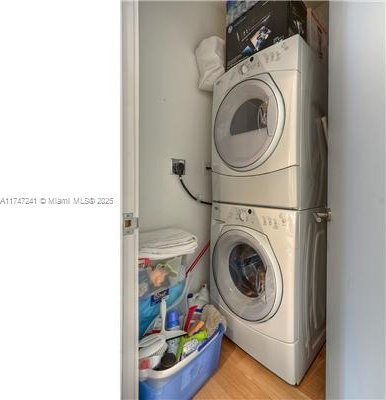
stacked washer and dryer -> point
(268, 231)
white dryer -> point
(268, 147)
(268, 278)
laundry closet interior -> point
(233, 189)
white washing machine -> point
(268, 146)
(268, 278)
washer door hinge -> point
(129, 223)
(323, 216)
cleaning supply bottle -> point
(196, 302)
(173, 324)
(200, 299)
(188, 344)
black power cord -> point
(180, 170)
(190, 194)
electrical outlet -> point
(177, 166)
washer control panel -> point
(243, 215)
(276, 222)
(263, 218)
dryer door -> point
(247, 274)
(249, 123)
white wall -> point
(175, 116)
(356, 252)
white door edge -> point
(130, 198)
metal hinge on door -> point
(129, 224)
(323, 216)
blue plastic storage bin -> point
(184, 379)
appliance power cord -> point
(190, 194)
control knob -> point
(244, 69)
(243, 215)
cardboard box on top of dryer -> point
(265, 24)
(236, 8)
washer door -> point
(249, 123)
(247, 274)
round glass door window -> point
(245, 276)
(247, 270)
(247, 124)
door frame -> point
(130, 197)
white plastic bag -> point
(210, 56)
